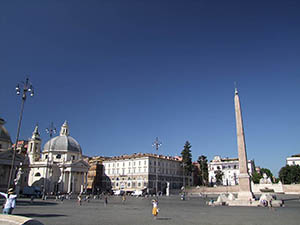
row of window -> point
(224, 167)
(140, 162)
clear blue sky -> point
(124, 72)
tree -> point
(257, 176)
(219, 176)
(187, 158)
(266, 171)
(290, 174)
(203, 170)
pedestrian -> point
(155, 209)
(10, 202)
(79, 199)
(123, 198)
(105, 200)
(31, 199)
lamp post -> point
(156, 144)
(27, 87)
(51, 130)
(183, 174)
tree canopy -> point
(203, 170)
(187, 158)
(290, 174)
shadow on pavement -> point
(22, 202)
(163, 218)
(31, 215)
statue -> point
(19, 175)
(265, 179)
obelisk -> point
(245, 192)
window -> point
(0, 146)
(73, 157)
(139, 184)
(123, 164)
(145, 162)
(46, 156)
(139, 163)
(37, 174)
(133, 163)
(58, 156)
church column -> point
(70, 182)
(85, 181)
(73, 182)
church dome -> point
(4, 135)
(63, 142)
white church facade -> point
(59, 167)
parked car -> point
(32, 191)
(119, 192)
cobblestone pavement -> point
(137, 211)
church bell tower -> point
(34, 146)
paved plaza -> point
(137, 211)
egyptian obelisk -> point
(245, 192)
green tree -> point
(203, 170)
(187, 158)
(290, 174)
(219, 177)
(266, 171)
(256, 177)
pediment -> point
(80, 163)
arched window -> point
(37, 174)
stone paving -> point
(137, 211)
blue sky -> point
(125, 72)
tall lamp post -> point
(27, 87)
(51, 130)
(183, 174)
(156, 144)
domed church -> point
(60, 167)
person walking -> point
(79, 199)
(155, 208)
(10, 202)
(105, 200)
(123, 198)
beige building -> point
(60, 166)
(6, 155)
(230, 169)
(138, 172)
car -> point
(119, 192)
(32, 191)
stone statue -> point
(265, 179)
(19, 175)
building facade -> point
(143, 172)
(293, 160)
(229, 168)
(6, 156)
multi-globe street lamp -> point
(51, 130)
(23, 88)
(156, 144)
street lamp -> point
(51, 130)
(183, 174)
(27, 87)
(156, 144)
